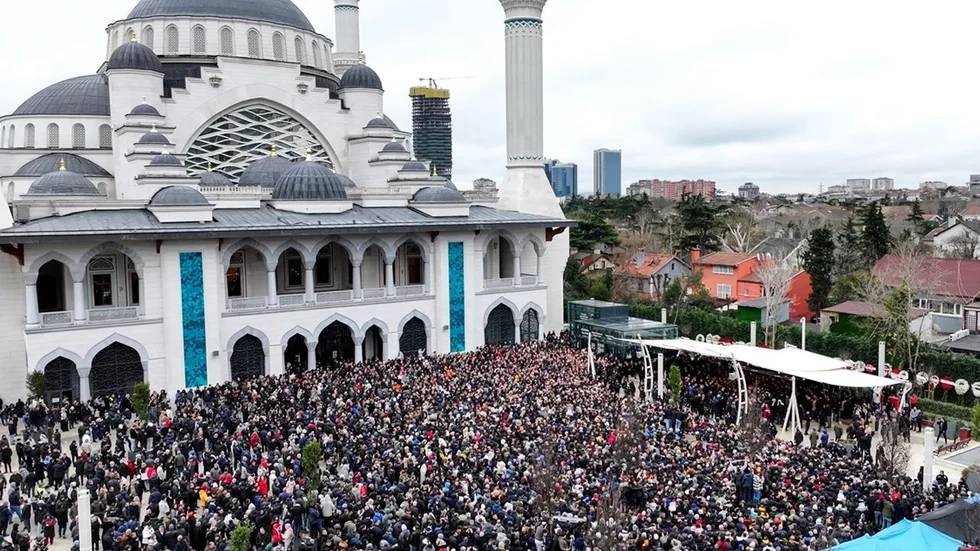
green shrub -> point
(674, 378)
(950, 411)
(36, 385)
(310, 465)
(141, 399)
(241, 537)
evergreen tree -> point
(917, 218)
(818, 261)
(849, 251)
(875, 237)
(591, 230)
(702, 224)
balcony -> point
(55, 320)
(333, 297)
(247, 303)
(325, 299)
(410, 291)
(287, 301)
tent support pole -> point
(792, 411)
(743, 392)
(591, 358)
(647, 372)
(660, 375)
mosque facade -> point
(225, 197)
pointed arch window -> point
(227, 41)
(105, 136)
(300, 51)
(78, 136)
(148, 37)
(279, 47)
(199, 40)
(53, 136)
(10, 137)
(254, 43)
(29, 136)
(317, 58)
(173, 39)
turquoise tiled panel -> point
(457, 298)
(192, 307)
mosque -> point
(225, 197)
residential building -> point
(748, 191)
(883, 184)
(608, 172)
(432, 128)
(563, 178)
(651, 273)
(957, 238)
(974, 184)
(858, 185)
(734, 277)
(220, 202)
(673, 191)
(933, 184)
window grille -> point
(227, 41)
(53, 132)
(78, 136)
(254, 43)
(200, 40)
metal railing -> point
(501, 283)
(409, 290)
(247, 303)
(114, 314)
(376, 292)
(528, 281)
(330, 297)
(292, 300)
(54, 319)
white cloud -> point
(788, 95)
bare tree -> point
(894, 453)
(962, 246)
(776, 276)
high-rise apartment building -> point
(432, 128)
(748, 191)
(563, 178)
(858, 185)
(882, 184)
(608, 172)
(674, 191)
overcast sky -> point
(786, 94)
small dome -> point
(378, 123)
(311, 181)
(145, 110)
(178, 196)
(265, 172)
(438, 194)
(135, 56)
(214, 179)
(153, 138)
(394, 147)
(87, 95)
(63, 182)
(52, 162)
(415, 166)
(166, 159)
(361, 76)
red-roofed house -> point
(651, 273)
(733, 277)
(944, 286)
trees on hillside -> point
(818, 261)
(590, 230)
(849, 251)
(875, 237)
(702, 224)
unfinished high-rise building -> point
(432, 127)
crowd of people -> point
(506, 448)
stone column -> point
(358, 349)
(78, 298)
(273, 292)
(390, 278)
(84, 386)
(429, 276)
(311, 354)
(308, 280)
(517, 269)
(84, 520)
(356, 284)
(30, 298)
(540, 278)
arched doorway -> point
(51, 287)
(374, 344)
(500, 326)
(529, 326)
(61, 381)
(296, 355)
(115, 371)
(247, 358)
(413, 341)
(335, 345)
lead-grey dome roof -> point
(153, 138)
(145, 110)
(283, 12)
(214, 179)
(87, 95)
(265, 172)
(63, 182)
(378, 123)
(311, 181)
(178, 196)
(394, 147)
(165, 159)
(414, 166)
(52, 162)
(133, 55)
(438, 194)
(361, 76)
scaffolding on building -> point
(432, 127)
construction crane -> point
(433, 80)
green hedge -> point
(944, 409)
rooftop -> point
(724, 259)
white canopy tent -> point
(791, 362)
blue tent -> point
(907, 536)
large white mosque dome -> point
(281, 12)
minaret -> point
(347, 15)
(525, 187)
